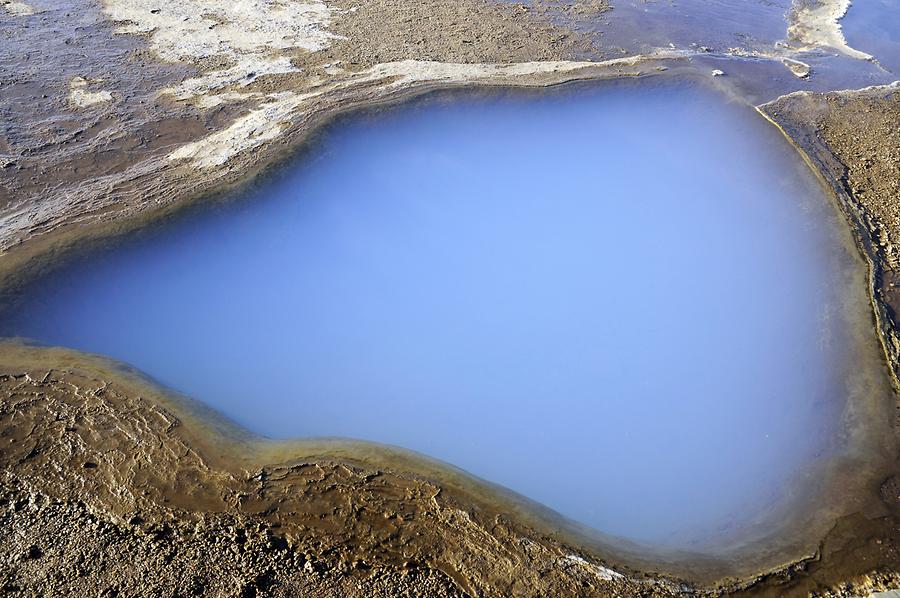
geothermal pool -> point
(627, 302)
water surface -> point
(625, 302)
(873, 26)
(714, 24)
(737, 36)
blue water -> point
(716, 24)
(873, 26)
(625, 301)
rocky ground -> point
(62, 548)
(106, 489)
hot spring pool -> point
(627, 302)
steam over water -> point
(625, 302)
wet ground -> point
(50, 137)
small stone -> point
(33, 553)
